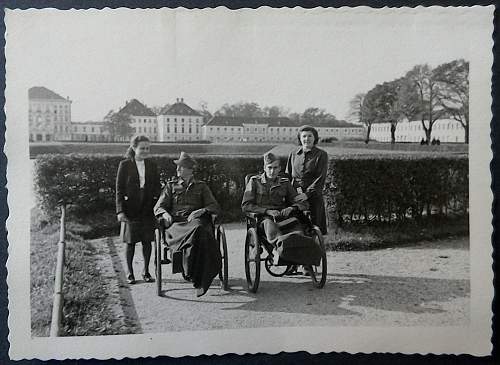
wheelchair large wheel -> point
(252, 260)
(223, 274)
(158, 261)
(318, 273)
(274, 270)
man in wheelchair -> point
(186, 206)
(281, 222)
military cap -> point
(185, 160)
(270, 158)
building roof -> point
(180, 108)
(336, 124)
(276, 122)
(40, 92)
(136, 108)
(89, 122)
(239, 121)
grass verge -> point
(375, 236)
(87, 307)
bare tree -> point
(355, 113)
(453, 78)
(428, 89)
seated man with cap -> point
(186, 206)
(273, 197)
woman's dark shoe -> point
(130, 279)
(293, 271)
(147, 278)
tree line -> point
(423, 93)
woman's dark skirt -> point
(141, 228)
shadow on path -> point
(126, 301)
(388, 293)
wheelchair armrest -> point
(252, 215)
(214, 218)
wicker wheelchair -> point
(163, 253)
(258, 249)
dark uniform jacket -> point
(307, 171)
(180, 198)
(137, 206)
(262, 194)
(287, 236)
(195, 239)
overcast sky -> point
(292, 58)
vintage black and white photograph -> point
(209, 181)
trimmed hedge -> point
(358, 188)
(87, 182)
(396, 188)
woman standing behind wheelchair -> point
(137, 189)
(306, 167)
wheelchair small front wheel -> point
(318, 273)
(252, 260)
(275, 270)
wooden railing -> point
(57, 307)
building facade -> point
(143, 119)
(271, 129)
(446, 130)
(179, 122)
(49, 115)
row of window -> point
(181, 129)
(38, 108)
(247, 129)
(145, 130)
(418, 127)
(145, 120)
(48, 118)
(182, 120)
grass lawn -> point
(86, 303)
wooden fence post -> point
(55, 325)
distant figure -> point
(433, 142)
(438, 142)
(422, 142)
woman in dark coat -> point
(306, 167)
(137, 190)
(186, 206)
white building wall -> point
(446, 130)
(146, 125)
(179, 128)
(49, 120)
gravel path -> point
(422, 284)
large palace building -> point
(50, 120)
(49, 115)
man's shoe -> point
(200, 292)
(307, 271)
